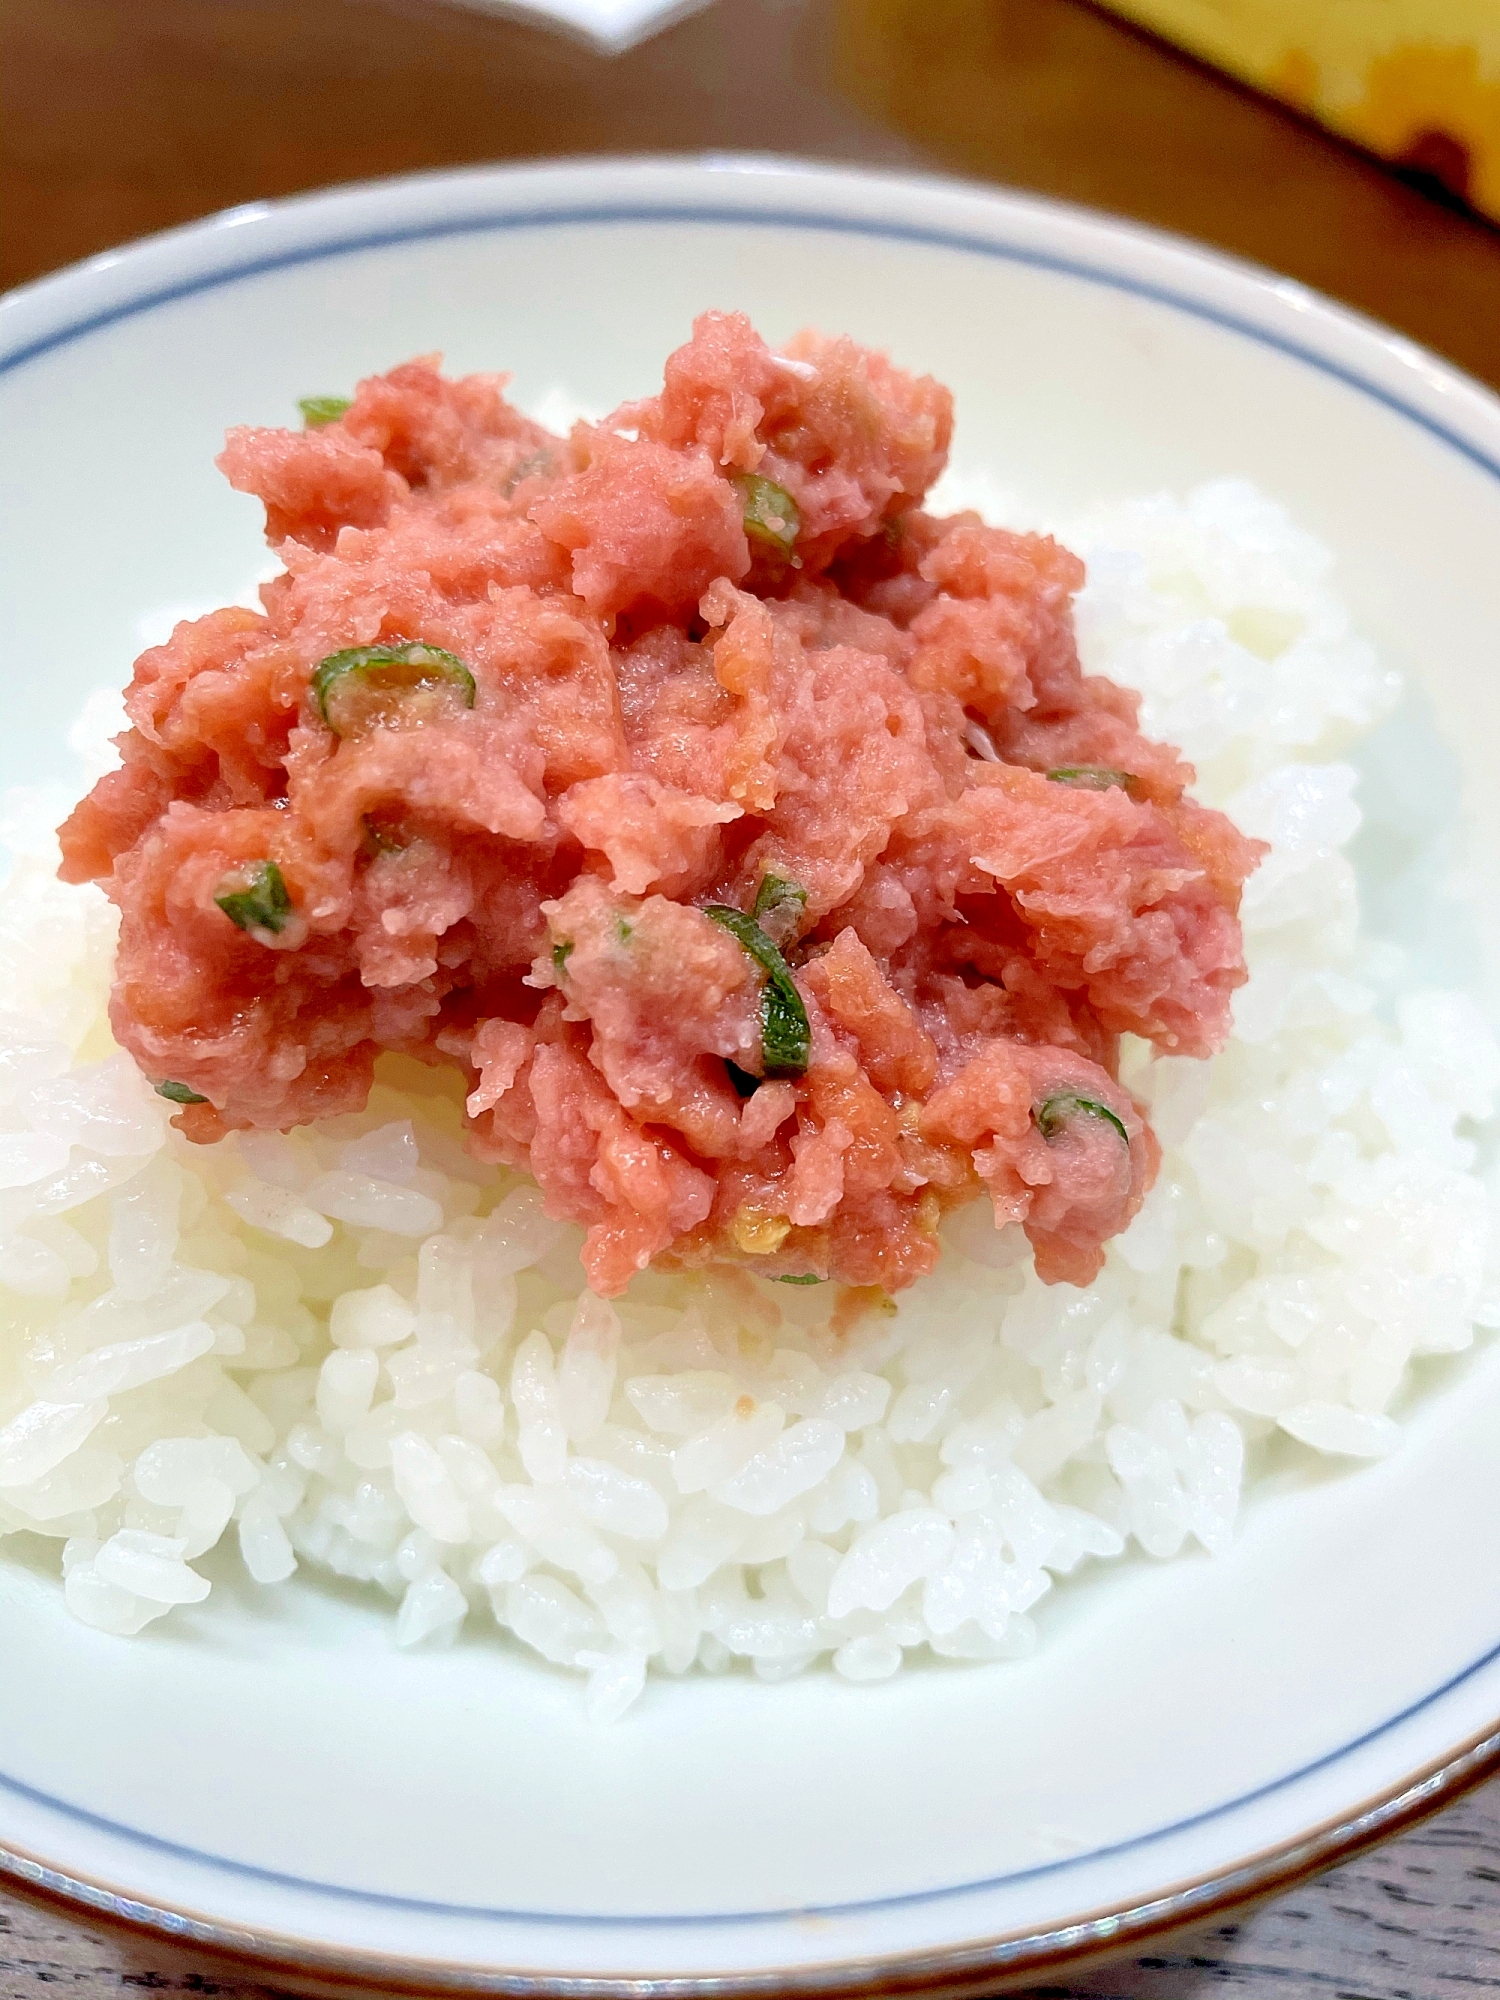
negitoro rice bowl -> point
(356, 1349)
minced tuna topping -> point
(751, 837)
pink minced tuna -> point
(751, 838)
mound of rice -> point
(356, 1349)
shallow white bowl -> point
(271, 1775)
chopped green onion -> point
(770, 512)
(778, 907)
(1091, 777)
(178, 1093)
(320, 410)
(1054, 1112)
(785, 1036)
(385, 677)
(804, 1278)
(561, 953)
(745, 1085)
(255, 898)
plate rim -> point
(209, 235)
(201, 245)
(972, 1967)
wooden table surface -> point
(118, 117)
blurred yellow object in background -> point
(1417, 81)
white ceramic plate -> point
(274, 1776)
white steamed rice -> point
(355, 1350)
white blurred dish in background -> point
(610, 26)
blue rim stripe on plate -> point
(717, 214)
(717, 1919)
(772, 218)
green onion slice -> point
(1091, 777)
(1053, 1113)
(178, 1093)
(778, 907)
(786, 1039)
(373, 684)
(770, 512)
(803, 1278)
(561, 953)
(255, 897)
(320, 410)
